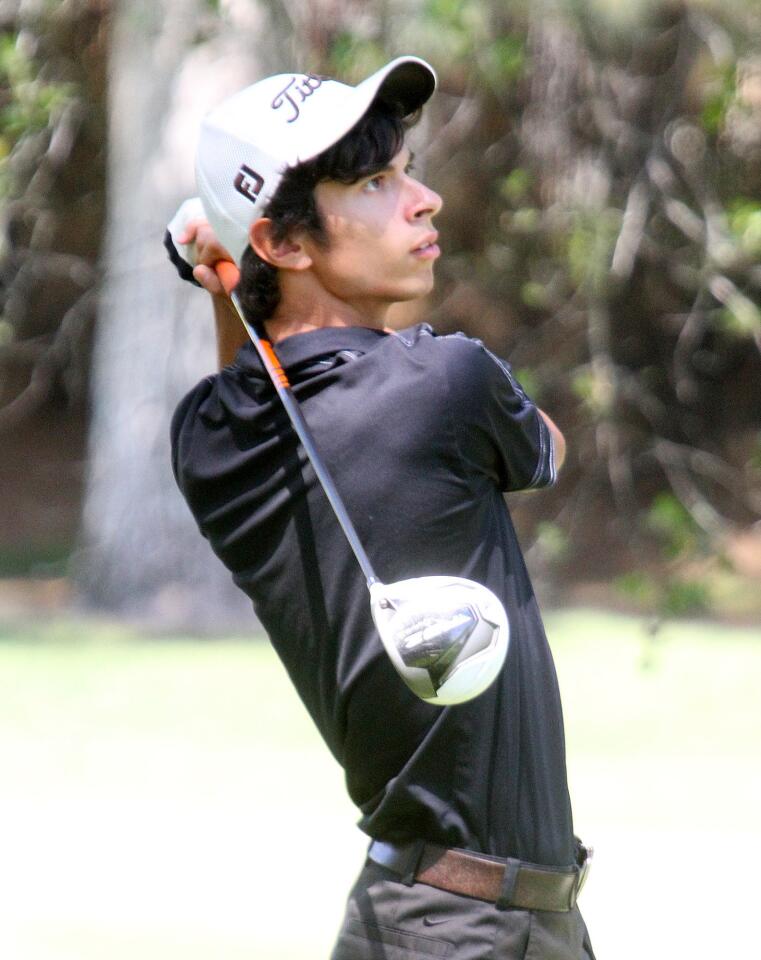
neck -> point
(303, 310)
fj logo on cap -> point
(249, 183)
(295, 93)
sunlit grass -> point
(170, 799)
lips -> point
(427, 249)
(427, 242)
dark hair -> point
(367, 148)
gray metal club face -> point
(433, 642)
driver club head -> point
(447, 637)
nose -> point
(424, 202)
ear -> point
(287, 254)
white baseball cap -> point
(251, 139)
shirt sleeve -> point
(182, 431)
(500, 431)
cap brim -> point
(408, 81)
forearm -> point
(558, 440)
(230, 332)
(195, 252)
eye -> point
(374, 183)
(410, 168)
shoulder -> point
(193, 400)
(186, 415)
(467, 362)
(422, 336)
(449, 347)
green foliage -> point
(524, 220)
(618, 18)
(459, 26)
(30, 103)
(552, 540)
(42, 560)
(744, 217)
(740, 316)
(516, 185)
(590, 243)
(665, 595)
(472, 34)
(354, 57)
(594, 390)
(638, 587)
(674, 526)
(583, 384)
(669, 592)
(534, 294)
(530, 382)
(505, 59)
(719, 93)
(682, 598)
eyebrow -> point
(390, 166)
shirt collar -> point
(302, 347)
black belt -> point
(506, 882)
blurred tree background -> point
(52, 197)
(601, 168)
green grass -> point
(156, 794)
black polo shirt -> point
(422, 434)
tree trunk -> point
(141, 554)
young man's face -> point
(381, 243)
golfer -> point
(308, 185)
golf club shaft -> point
(228, 275)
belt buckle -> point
(584, 859)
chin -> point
(416, 290)
(409, 297)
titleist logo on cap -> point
(295, 92)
